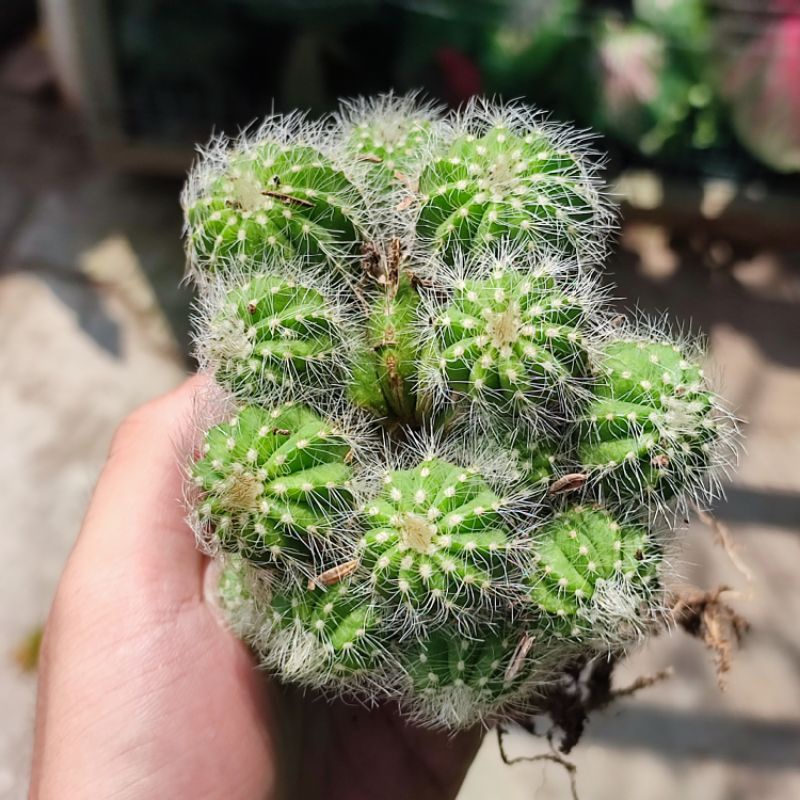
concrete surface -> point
(83, 340)
(92, 324)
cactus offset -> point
(458, 680)
(513, 341)
(389, 137)
(271, 337)
(240, 592)
(653, 427)
(272, 482)
(436, 545)
(317, 636)
(272, 198)
(507, 175)
(385, 374)
(535, 463)
(592, 574)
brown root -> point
(585, 687)
(704, 615)
(722, 537)
(553, 755)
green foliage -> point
(654, 81)
(686, 21)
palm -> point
(245, 726)
(230, 732)
(321, 748)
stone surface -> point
(64, 224)
(74, 362)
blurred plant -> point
(542, 48)
(654, 89)
(761, 82)
(443, 472)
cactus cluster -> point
(443, 465)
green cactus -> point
(535, 463)
(320, 635)
(273, 481)
(273, 335)
(234, 590)
(388, 136)
(269, 202)
(360, 557)
(513, 341)
(385, 375)
(436, 545)
(510, 179)
(393, 151)
(591, 573)
(241, 593)
(459, 680)
(653, 427)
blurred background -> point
(698, 101)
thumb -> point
(135, 525)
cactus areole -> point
(439, 469)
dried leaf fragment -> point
(288, 199)
(333, 575)
(704, 615)
(568, 483)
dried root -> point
(705, 615)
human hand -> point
(143, 693)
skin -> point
(143, 692)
